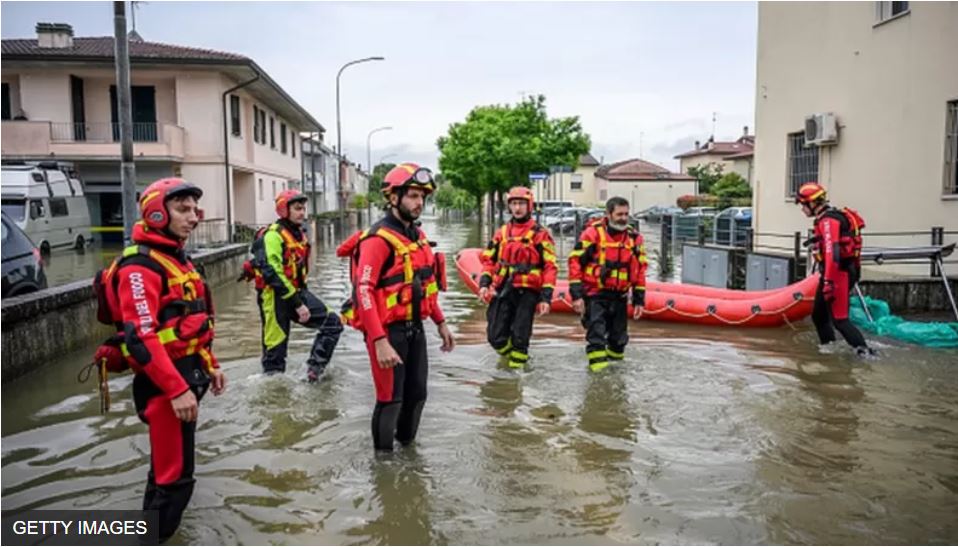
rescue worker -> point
(280, 265)
(606, 265)
(396, 287)
(518, 277)
(837, 251)
(166, 315)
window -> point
(282, 138)
(802, 162)
(260, 189)
(58, 207)
(255, 124)
(6, 101)
(951, 149)
(235, 115)
(36, 209)
(292, 142)
(274, 189)
(889, 10)
(272, 132)
(576, 183)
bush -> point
(448, 197)
(731, 186)
(701, 200)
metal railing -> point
(208, 233)
(101, 132)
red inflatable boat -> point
(689, 303)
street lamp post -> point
(369, 165)
(339, 138)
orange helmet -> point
(521, 192)
(809, 193)
(153, 200)
(408, 175)
(285, 198)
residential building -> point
(578, 186)
(319, 165)
(731, 156)
(644, 183)
(214, 118)
(886, 72)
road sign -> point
(538, 176)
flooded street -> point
(702, 435)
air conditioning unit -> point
(821, 129)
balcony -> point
(91, 140)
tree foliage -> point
(498, 146)
(707, 175)
(732, 185)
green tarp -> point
(931, 334)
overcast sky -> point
(646, 74)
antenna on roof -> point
(134, 36)
(714, 114)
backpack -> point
(248, 272)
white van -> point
(47, 203)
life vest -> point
(295, 257)
(407, 288)
(611, 265)
(520, 260)
(185, 326)
(849, 239)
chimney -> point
(745, 131)
(698, 145)
(54, 35)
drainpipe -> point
(226, 155)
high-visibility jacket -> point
(607, 260)
(396, 277)
(162, 308)
(838, 240)
(523, 255)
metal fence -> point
(208, 233)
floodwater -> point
(702, 435)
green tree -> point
(707, 175)
(497, 146)
(732, 185)
(375, 193)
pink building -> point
(215, 118)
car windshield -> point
(15, 209)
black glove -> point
(638, 297)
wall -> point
(645, 194)
(41, 325)
(888, 84)
(45, 96)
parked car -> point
(566, 216)
(47, 203)
(22, 265)
(566, 224)
(701, 211)
(656, 212)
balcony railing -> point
(101, 132)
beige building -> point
(579, 186)
(887, 72)
(644, 183)
(732, 157)
(214, 118)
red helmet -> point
(521, 192)
(285, 198)
(408, 175)
(154, 198)
(809, 193)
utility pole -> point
(125, 112)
